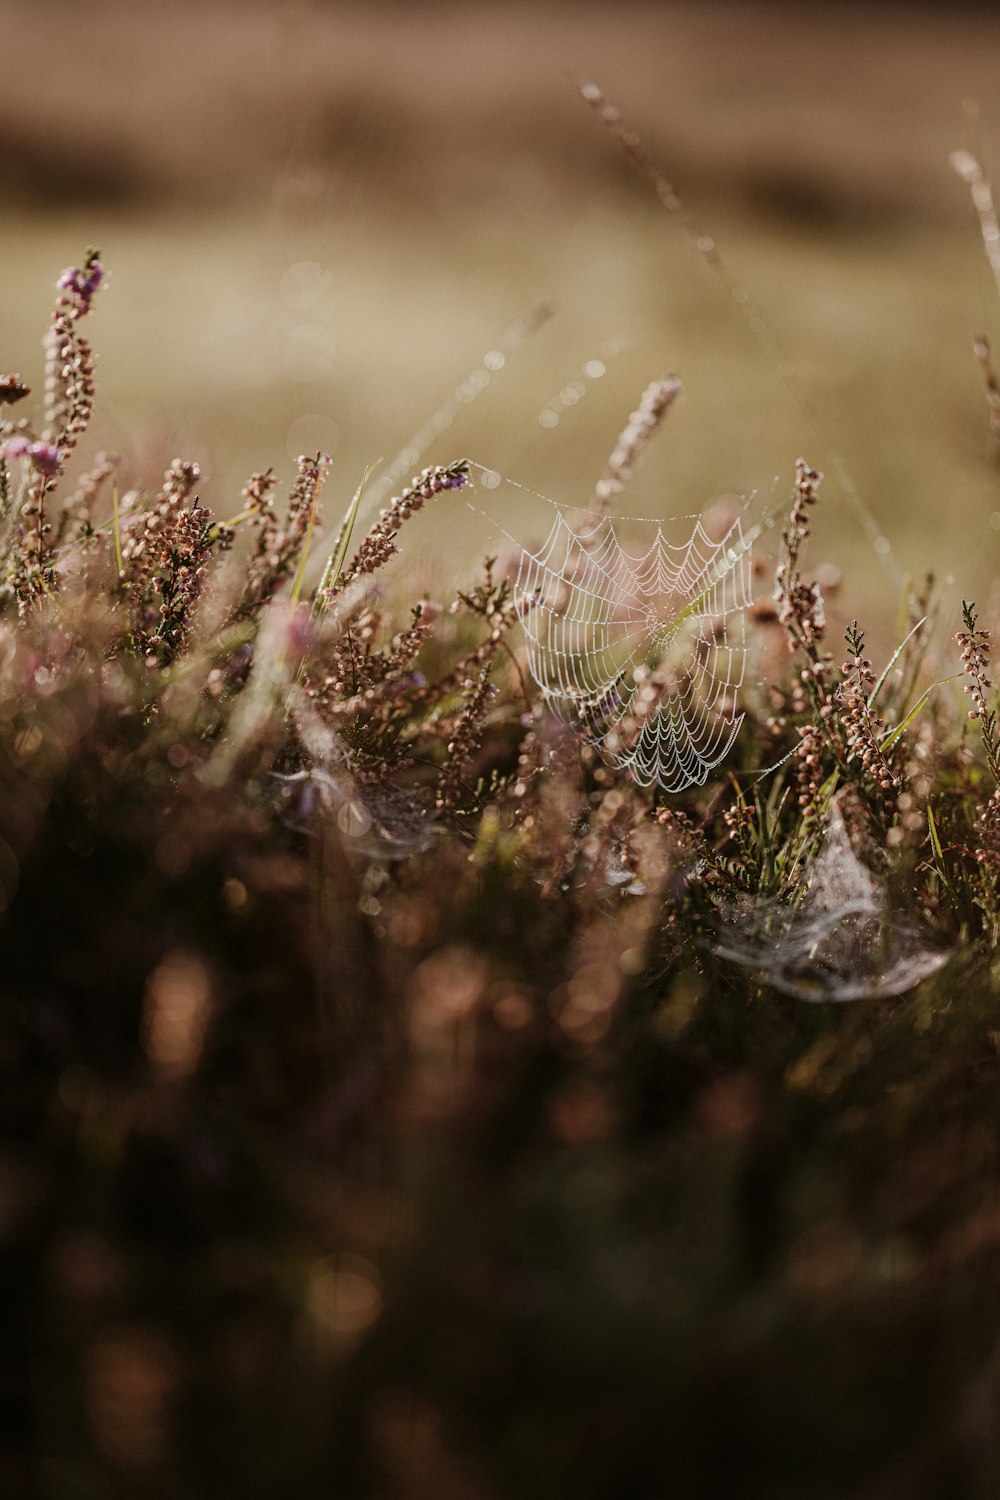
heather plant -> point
(864, 728)
(388, 1077)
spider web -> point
(645, 653)
(844, 941)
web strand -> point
(739, 294)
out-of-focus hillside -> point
(828, 114)
(319, 218)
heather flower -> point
(547, 796)
(862, 725)
(165, 552)
(975, 650)
(258, 494)
(739, 820)
(799, 605)
(687, 840)
(78, 286)
(494, 604)
(477, 695)
(46, 458)
(32, 573)
(656, 401)
(809, 775)
(76, 523)
(12, 389)
(280, 543)
(987, 827)
(379, 545)
(69, 362)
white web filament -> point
(647, 653)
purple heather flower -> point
(45, 457)
(81, 285)
(15, 447)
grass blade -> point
(873, 695)
(900, 729)
(116, 531)
(335, 562)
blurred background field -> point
(320, 217)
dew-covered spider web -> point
(842, 941)
(644, 650)
(635, 632)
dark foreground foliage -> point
(396, 1102)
